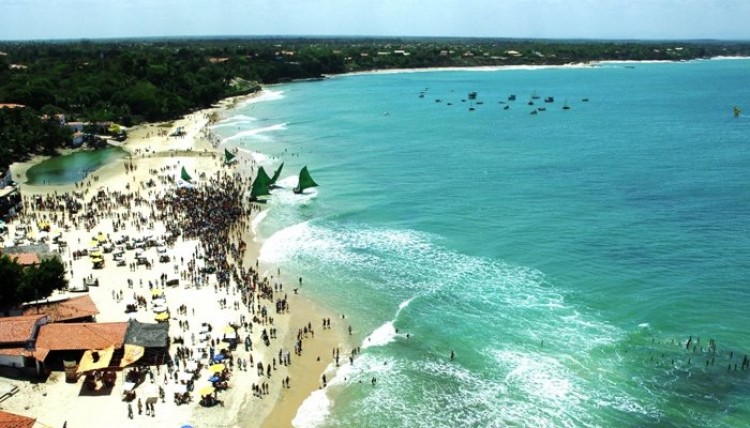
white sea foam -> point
(258, 157)
(257, 220)
(234, 121)
(256, 132)
(382, 335)
(313, 411)
(265, 95)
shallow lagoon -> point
(72, 167)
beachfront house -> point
(66, 310)
(69, 341)
(12, 420)
(18, 353)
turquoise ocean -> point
(588, 266)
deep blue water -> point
(565, 257)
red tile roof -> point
(18, 329)
(69, 309)
(81, 336)
(25, 259)
(38, 353)
(11, 420)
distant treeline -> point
(131, 81)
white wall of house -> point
(11, 360)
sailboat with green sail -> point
(305, 181)
(229, 157)
(259, 187)
(185, 176)
(275, 176)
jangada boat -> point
(276, 174)
(260, 186)
(305, 181)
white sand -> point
(55, 401)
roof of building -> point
(81, 336)
(26, 259)
(12, 420)
(63, 310)
(18, 329)
(147, 335)
(38, 353)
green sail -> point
(277, 173)
(228, 156)
(260, 185)
(185, 176)
(305, 181)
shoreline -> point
(510, 67)
(154, 154)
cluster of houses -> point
(63, 335)
(42, 336)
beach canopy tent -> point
(147, 335)
(191, 366)
(217, 368)
(95, 359)
(152, 339)
(132, 354)
(206, 390)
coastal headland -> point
(203, 239)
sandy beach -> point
(268, 399)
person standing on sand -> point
(130, 411)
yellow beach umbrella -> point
(229, 329)
(162, 316)
(94, 243)
(217, 368)
(100, 237)
(206, 390)
(96, 254)
(157, 292)
(96, 259)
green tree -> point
(22, 284)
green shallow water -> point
(72, 167)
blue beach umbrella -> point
(186, 426)
(214, 379)
(218, 357)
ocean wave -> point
(255, 133)
(264, 96)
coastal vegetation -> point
(137, 80)
(27, 283)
